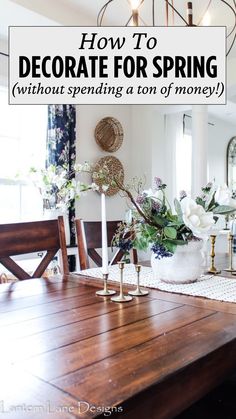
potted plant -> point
(175, 237)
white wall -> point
(88, 207)
(149, 156)
(141, 142)
(143, 153)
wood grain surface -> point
(67, 353)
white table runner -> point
(213, 287)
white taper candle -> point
(104, 236)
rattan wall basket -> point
(109, 134)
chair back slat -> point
(93, 233)
(95, 257)
(15, 269)
(117, 257)
(89, 238)
(39, 236)
(21, 238)
(44, 263)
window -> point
(22, 145)
(184, 164)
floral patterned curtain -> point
(61, 146)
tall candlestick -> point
(104, 236)
(121, 298)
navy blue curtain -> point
(61, 148)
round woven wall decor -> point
(115, 169)
(109, 134)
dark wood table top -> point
(66, 353)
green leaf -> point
(140, 243)
(178, 208)
(176, 224)
(160, 221)
(200, 201)
(170, 232)
(171, 247)
(223, 209)
(212, 203)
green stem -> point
(130, 196)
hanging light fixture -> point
(171, 13)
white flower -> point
(82, 167)
(78, 167)
(94, 187)
(223, 196)
(196, 218)
(105, 188)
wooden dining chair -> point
(39, 236)
(89, 238)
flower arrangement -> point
(155, 226)
(59, 186)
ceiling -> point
(14, 14)
(84, 12)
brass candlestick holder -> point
(212, 269)
(121, 298)
(105, 290)
(230, 268)
(138, 292)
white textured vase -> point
(185, 266)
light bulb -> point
(135, 12)
(135, 4)
(206, 20)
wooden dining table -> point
(67, 353)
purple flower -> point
(141, 199)
(156, 206)
(158, 182)
(160, 251)
(125, 244)
(182, 195)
